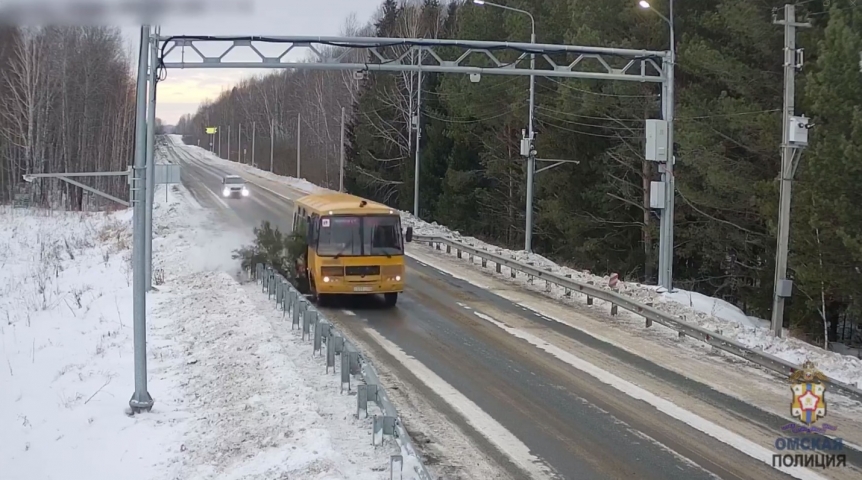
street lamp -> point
(665, 273)
(531, 158)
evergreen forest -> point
(595, 215)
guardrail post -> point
(448, 249)
(373, 393)
(338, 344)
(484, 262)
(384, 425)
(345, 371)
(499, 268)
(296, 312)
(458, 252)
(437, 246)
(279, 291)
(614, 309)
(269, 281)
(589, 300)
(547, 286)
(330, 351)
(648, 322)
(318, 337)
(396, 467)
(362, 401)
(306, 322)
(355, 368)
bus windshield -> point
(353, 236)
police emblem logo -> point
(809, 394)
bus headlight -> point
(244, 192)
(325, 279)
(226, 192)
(397, 278)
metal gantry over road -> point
(466, 57)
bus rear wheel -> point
(390, 299)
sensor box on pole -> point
(657, 195)
(656, 141)
(797, 131)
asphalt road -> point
(579, 428)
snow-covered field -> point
(237, 395)
(711, 313)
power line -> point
(600, 94)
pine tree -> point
(827, 232)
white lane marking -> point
(524, 306)
(703, 425)
(224, 204)
(291, 200)
(441, 269)
(472, 413)
(349, 313)
(429, 262)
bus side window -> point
(315, 229)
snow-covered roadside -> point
(235, 396)
(713, 314)
(66, 349)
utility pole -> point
(151, 167)
(418, 137)
(298, 143)
(343, 135)
(794, 139)
(141, 399)
(228, 142)
(219, 141)
(253, 125)
(239, 143)
(271, 144)
(531, 159)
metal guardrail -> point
(650, 314)
(323, 334)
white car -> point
(234, 186)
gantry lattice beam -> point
(441, 56)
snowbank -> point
(710, 313)
(713, 314)
(297, 183)
(66, 350)
(236, 395)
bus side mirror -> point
(409, 235)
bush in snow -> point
(271, 247)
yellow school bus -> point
(355, 247)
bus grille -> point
(363, 271)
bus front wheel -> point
(390, 299)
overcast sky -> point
(184, 90)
